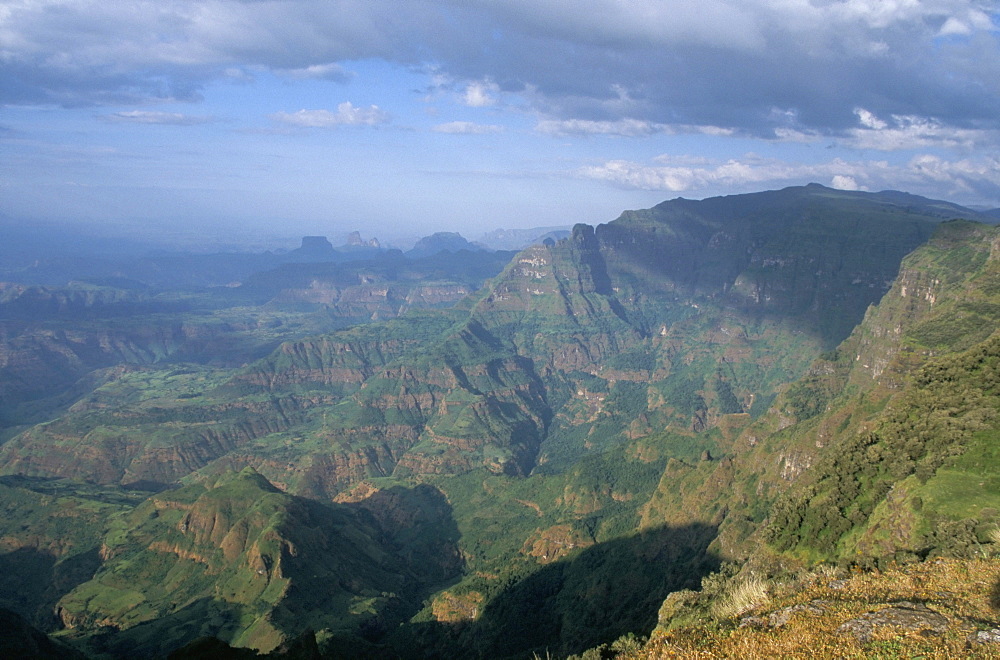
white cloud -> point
(868, 120)
(925, 174)
(963, 175)
(913, 132)
(749, 172)
(154, 117)
(328, 71)
(466, 128)
(627, 127)
(953, 26)
(346, 115)
(624, 127)
(841, 182)
(480, 94)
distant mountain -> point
(318, 249)
(518, 239)
(312, 289)
(354, 240)
(313, 248)
(442, 241)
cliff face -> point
(919, 411)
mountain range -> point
(422, 456)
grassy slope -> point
(803, 617)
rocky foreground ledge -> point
(942, 608)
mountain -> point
(899, 414)
(631, 411)
(442, 241)
(881, 457)
(236, 558)
(669, 317)
(518, 239)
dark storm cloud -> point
(756, 66)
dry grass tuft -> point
(742, 598)
(995, 536)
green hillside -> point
(237, 559)
(613, 418)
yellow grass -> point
(967, 592)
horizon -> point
(130, 238)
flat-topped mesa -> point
(316, 243)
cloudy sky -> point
(465, 115)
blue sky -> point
(325, 116)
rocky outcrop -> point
(905, 615)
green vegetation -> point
(531, 470)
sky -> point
(412, 116)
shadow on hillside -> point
(32, 581)
(399, 541)
(566, 607)
(419, 524)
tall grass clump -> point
(741, 598)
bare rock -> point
(781, 617)
(904, 614)
(980, 637)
